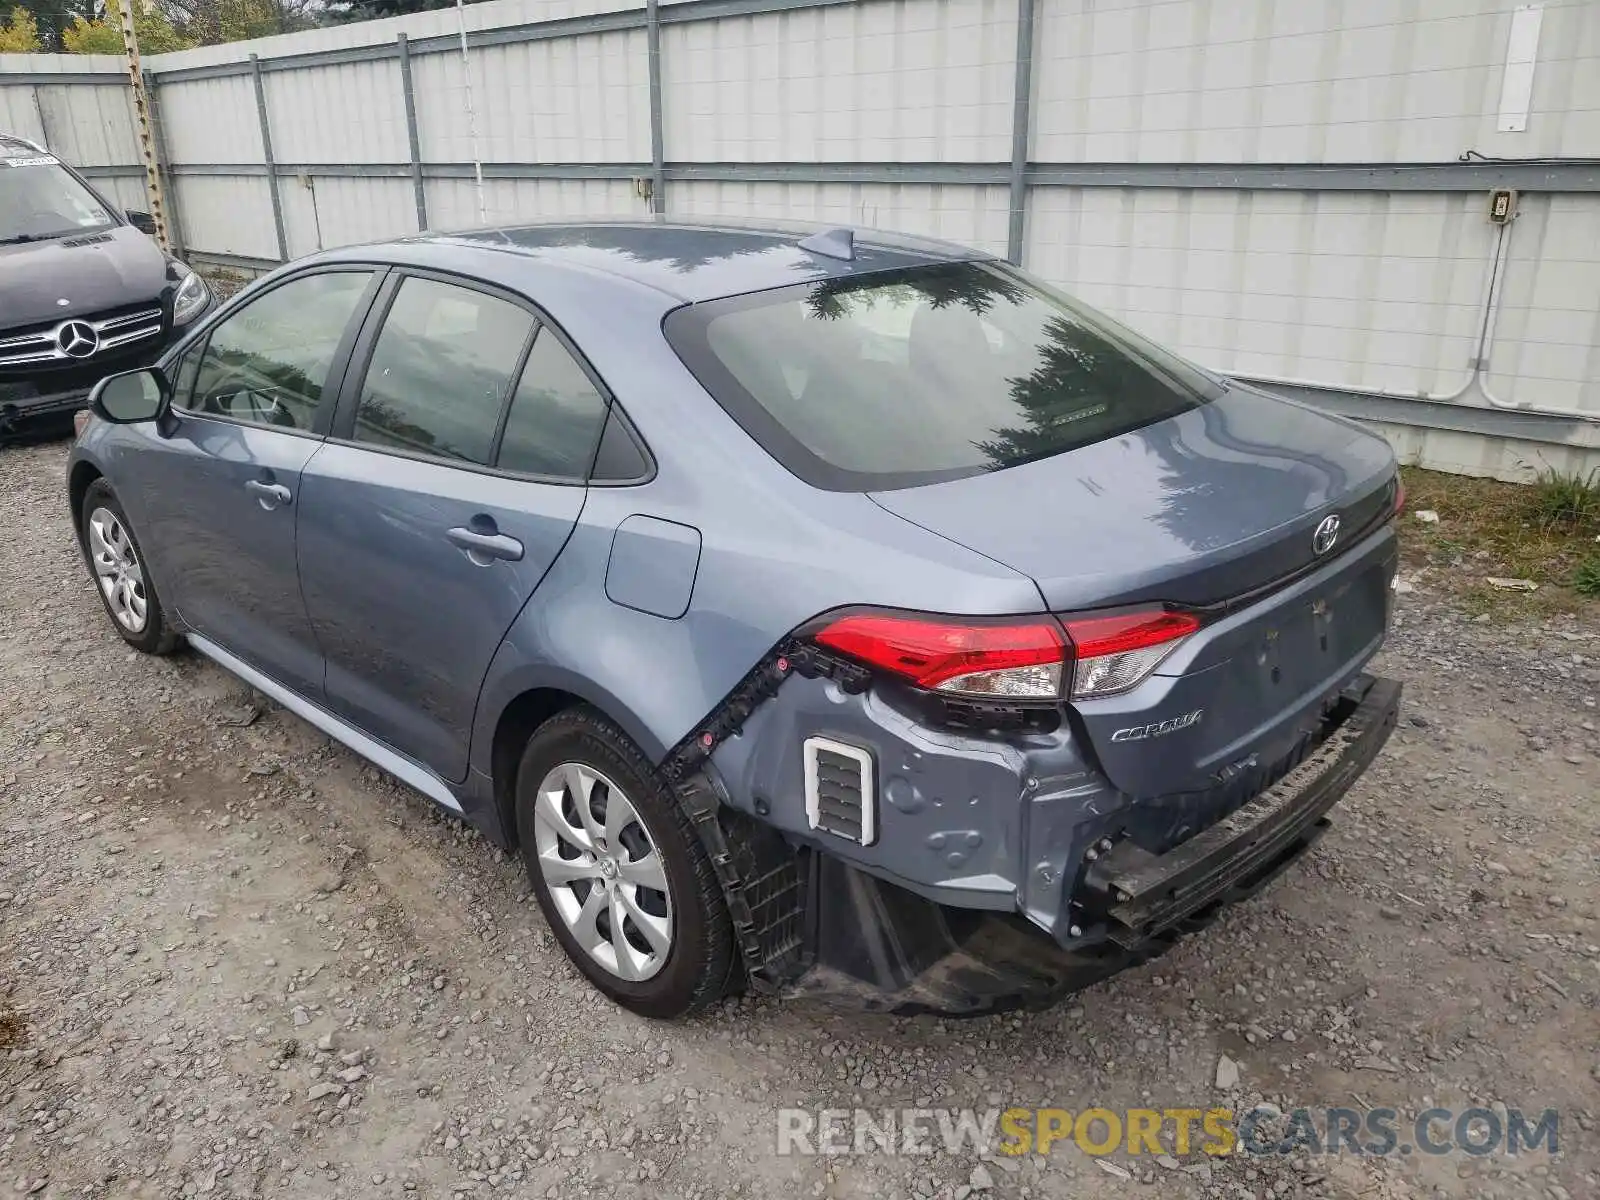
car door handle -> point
(274, 492)
(489, 545)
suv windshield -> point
(914, 376)
(40, 199)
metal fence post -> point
(415, 142)
(1021, 122)
(266, 155)
(658, 178)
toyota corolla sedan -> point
(819, 611)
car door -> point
(453, 477)
(251, 405)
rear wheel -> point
(617, 868)
(118, 569)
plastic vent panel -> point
(840, 796)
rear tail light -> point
(1023, 658)
(1399, 495)
(1114, 653)
(80, 422)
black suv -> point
(85, 292)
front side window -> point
(41, 199)
(268, 363)
(555, 417)
(899, 378)
(441, 370)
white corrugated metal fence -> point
(1294, 192)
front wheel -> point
(120, 574)
(618, 870)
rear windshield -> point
(914, 376)
(40, 199)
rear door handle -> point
(276, 493)
(481, 546)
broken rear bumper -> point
(839, 932)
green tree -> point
(341, 12)
(151, 25)
(20, 35)
(90, 37)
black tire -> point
(700, 957)
(156, 636)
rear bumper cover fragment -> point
(873, 945)
(1154, 892)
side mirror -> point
(131, 397)
(142, 221)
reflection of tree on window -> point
(556, 416)
(938, 287)
(1079, 374)
(440, 371)
(928, 373)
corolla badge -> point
(1140, 733)
(1326, 535)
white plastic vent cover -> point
(840, 790)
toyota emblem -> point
(77, 339)
(1326, 535)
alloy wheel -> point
(604, 871)
(118, 570)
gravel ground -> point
(238, 961)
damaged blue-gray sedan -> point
(817, 611)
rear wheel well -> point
(83, 476)
(517, 723)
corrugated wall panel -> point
(1311, 81)
(1545, 345)
(1363, 290)
(89, 124)
(973, 215)
(19, 111)
(1470, 454)
(340, 212)
(904, 82)
(212, 120)
(583, 99)
(453, 203)
(349, 112)
(125, 191)
(227, 214)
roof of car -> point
(702, 261)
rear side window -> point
(440, 371)
(900, 378)
(556, 415)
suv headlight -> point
(191, 300)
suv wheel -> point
(619, 871)
(118, 570)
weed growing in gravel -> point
(1586, 579)
(1541, 531)
(1565, 498)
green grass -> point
(1566, 498)
(1586, 579)
(1545, 531)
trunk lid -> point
(1202, 507)
(1217, 508)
